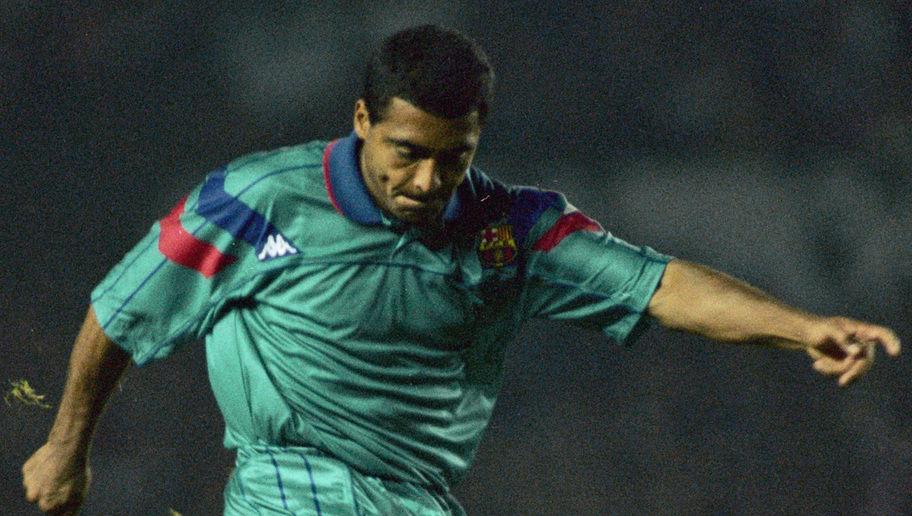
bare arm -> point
(57, 475)
(699, 300)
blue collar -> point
(348, 193)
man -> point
(356, 298)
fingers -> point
(50, 491)
(859, 350)
(861, 366)
(853, 366)
(846, 348)
(884, 336)
(857, 360)
(855, 371)
(830, 367)
(58, 503)
(832, 358)
(830, 348)
(31, 492)
(865, 332)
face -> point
(412, 161)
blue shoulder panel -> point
(227, 212)
(527, 207)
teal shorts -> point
(303, 481)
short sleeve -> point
(167, 289)
(578, 272)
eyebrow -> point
(422, 150)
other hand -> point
(57, 479)
(846, 348)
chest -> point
(388, 287)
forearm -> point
(96, 365)
(699, 300)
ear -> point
(361, 119)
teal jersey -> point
(330, 326)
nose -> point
(427, 178)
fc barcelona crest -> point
(497, 246)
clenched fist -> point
(56, 477)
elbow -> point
(662, 305)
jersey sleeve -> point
(577, 271)
(167, 290)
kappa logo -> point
(276, 246)
(497, 246)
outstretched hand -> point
(846, 348)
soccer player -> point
(356, 297)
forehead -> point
(403, 121)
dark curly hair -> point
(438, 69)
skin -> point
(57, 476)
(697, 299)
(412, 162)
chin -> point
(419, 218)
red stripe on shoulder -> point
(184, 249)
(565, 225)
(326, 179)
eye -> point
(455, 159)
(405, 153)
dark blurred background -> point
(772, 140)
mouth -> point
(412, 203)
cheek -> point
(393, 178)
(456, 180)
(378, 168)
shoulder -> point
(523, 208)
(517, 200)
(266, 174)
(261, 198)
